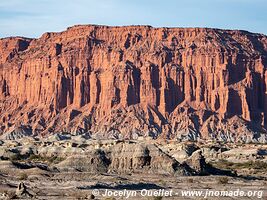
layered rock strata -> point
(136, 81)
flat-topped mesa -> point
(136, 80)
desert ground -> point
(63, 166)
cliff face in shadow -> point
(126, 82)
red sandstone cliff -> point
(125, 82)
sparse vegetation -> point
(223, 180)
(8, 193)
(190, 180)
(14, 157)
(23, 177)
(80, 196)
(53, 159)
(163, 183)
(157, 198)
(257, 165)
(36, 158)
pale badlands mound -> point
(67, 167)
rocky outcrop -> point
(137, 81)
(22, 192)
(124, 157)
(96, 162)
(17, 133)
(169, 158)
(137, 158)
(197, 162)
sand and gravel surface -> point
(56, 168)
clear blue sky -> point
(31, 18)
